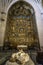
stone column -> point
(42, 3)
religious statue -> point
(20, 58)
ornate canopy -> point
(21, 26)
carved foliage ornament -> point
(20, 28)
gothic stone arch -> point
(21, 26)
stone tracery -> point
(21, 26)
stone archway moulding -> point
(36, 9)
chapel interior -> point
(21, 32)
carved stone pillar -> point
(42, 3)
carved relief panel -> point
(21, 26)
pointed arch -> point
(21, 26)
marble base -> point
(11, 63)
(30, 62)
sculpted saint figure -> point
(20, 58)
